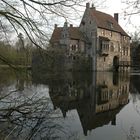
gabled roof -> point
(56, 35)
(106, 21)
(74, 33)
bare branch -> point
(34, 17)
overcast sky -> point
(130, 24)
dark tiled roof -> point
(56, 35)
(106, 21)
(73, 32)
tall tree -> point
(34, 17)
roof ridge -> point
(102, 18)
(101, 12)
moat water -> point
(69, 106)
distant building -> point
(99, 37)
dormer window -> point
(110, 24)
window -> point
(103, 32)
(74, 47)
(112, 47)
(127, 51)
(110, 24)
(118, 48)
(71, 47)
(124, 51)
(111, 33)
(83, 22)
(124, 38)
(105, 46)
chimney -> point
(93, 7)
(55, 26)
(87, 5)
(116, 17)
(71, 25)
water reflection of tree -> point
(132, 134)
(24, 117)
(26, 113)
(135, 92)
(135, 88)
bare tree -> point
(33, 16)
(133, 7)
(27, 116)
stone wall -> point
(118, 46)
(88, 25)
(106, 62)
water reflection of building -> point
(71, 92)
(111, 94)
(97, 97)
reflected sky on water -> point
(75, 106)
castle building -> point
(99, 36)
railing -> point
(124, 63)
